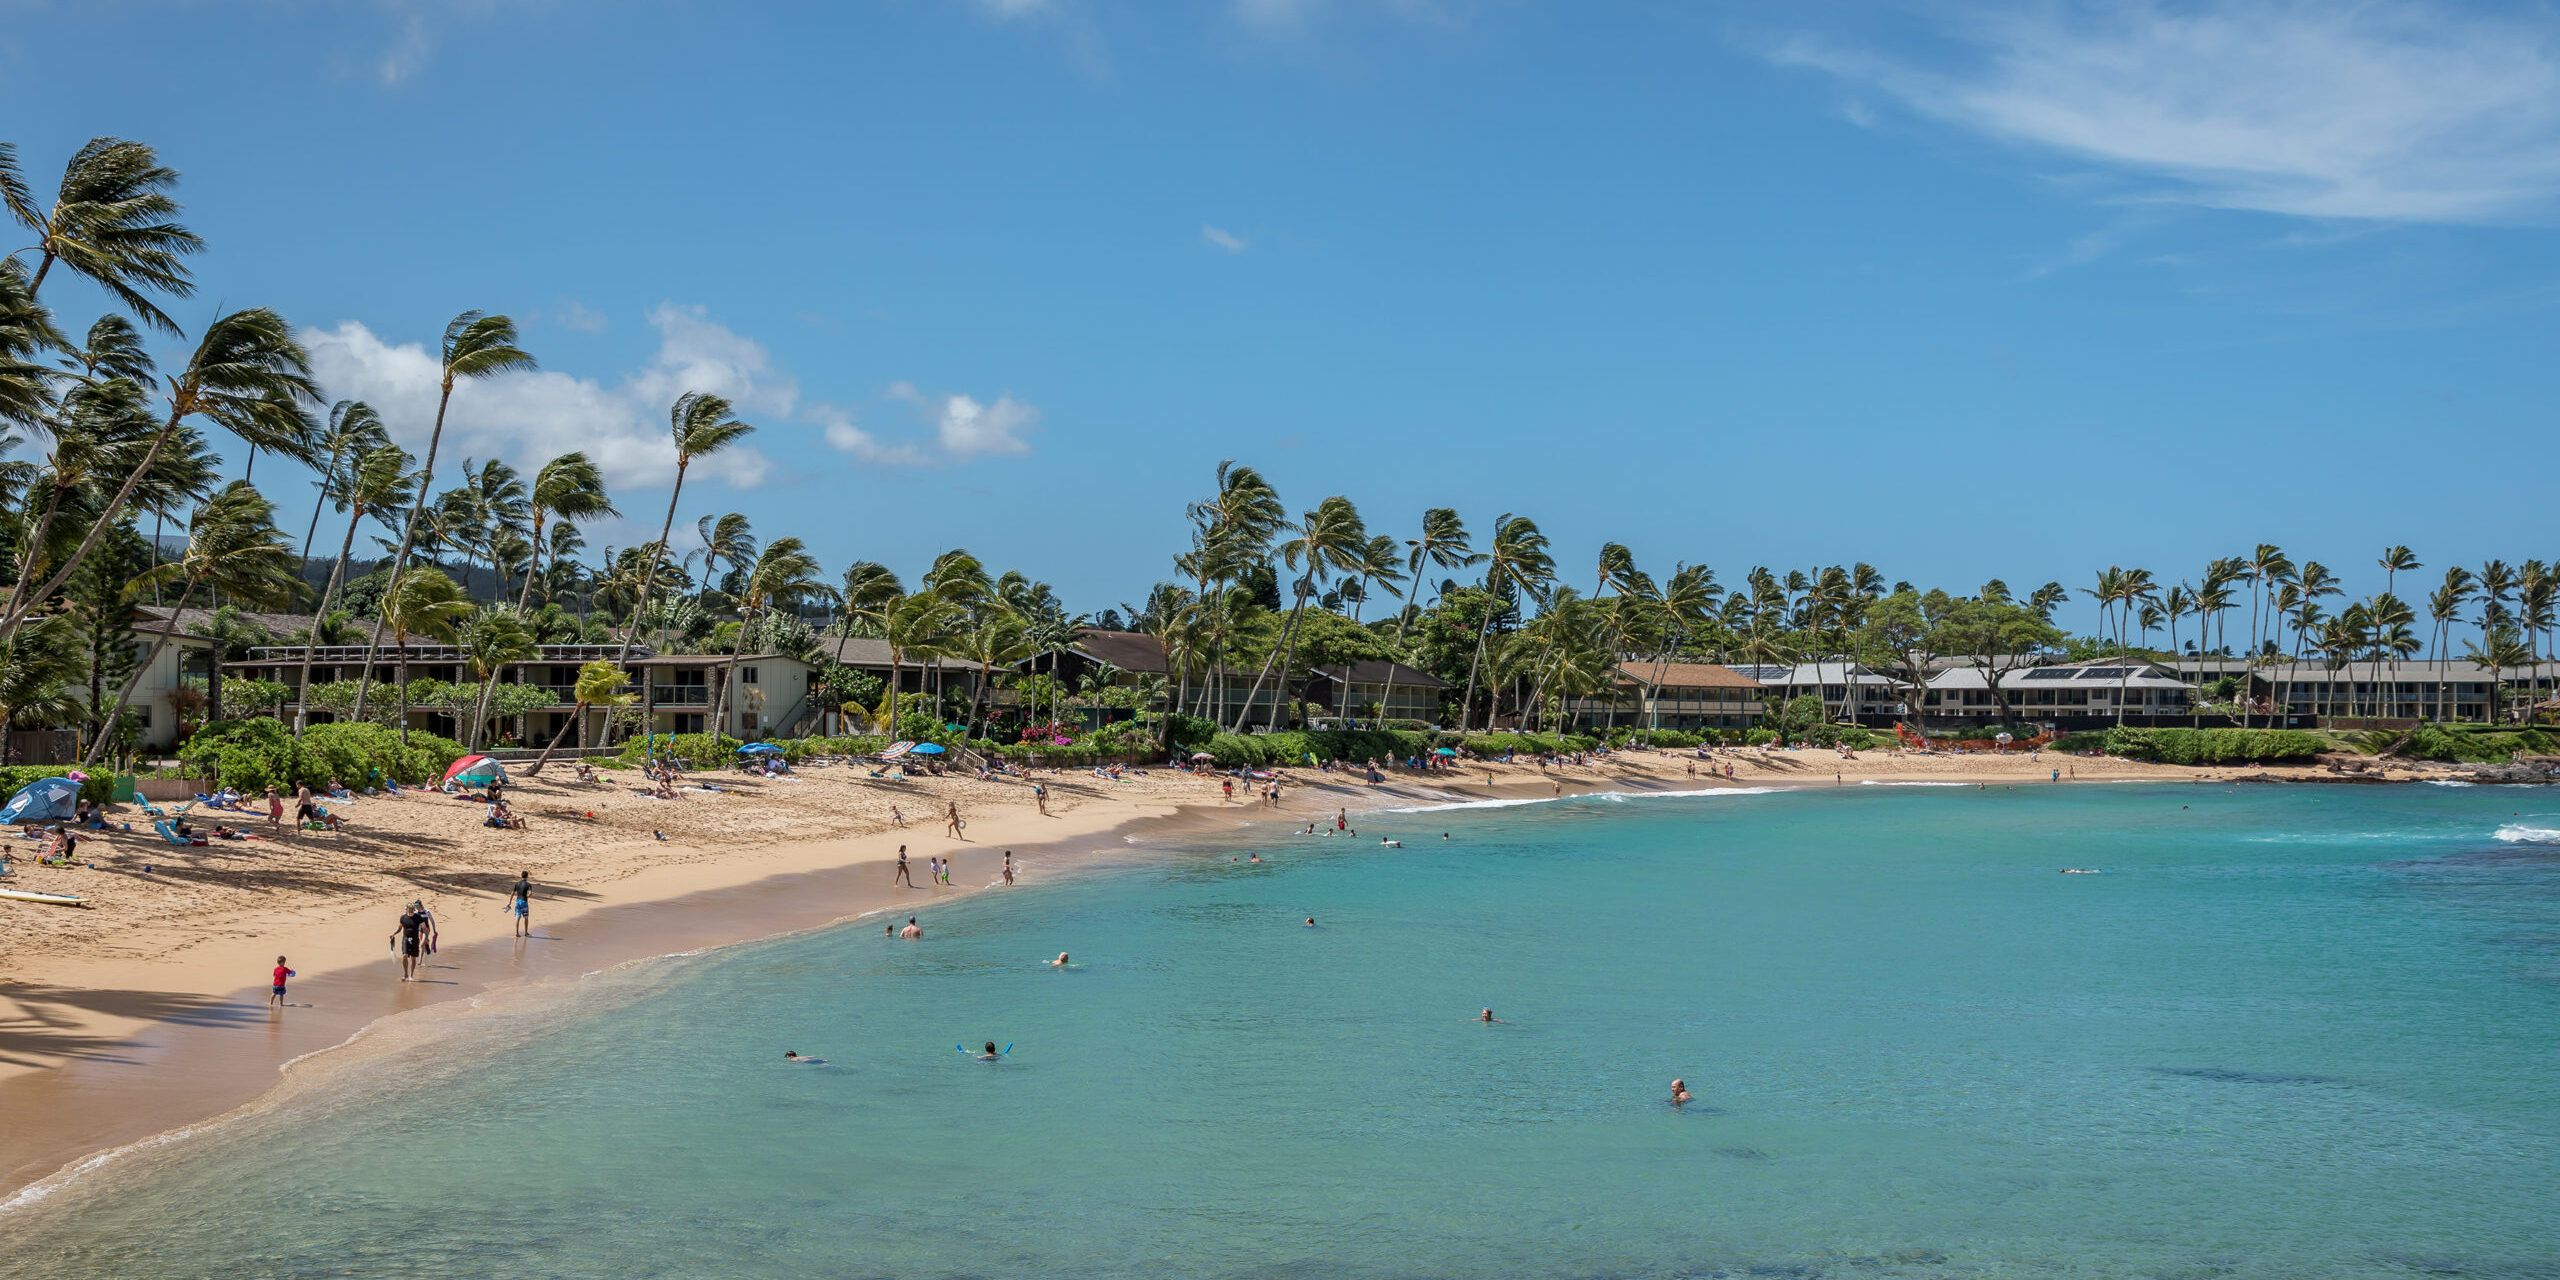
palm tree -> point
(868, 588)
(1687, 605)
(917, 626)
(999, 640)
(246, 375)
(1232, 533)
(567, 488)
(354, 430)
(1330, 538)
(1443, 543)
(2499, 649)
(727, 539)
(2444, 606)
(26, 332)
(475, 346)
(234, 547)
(425, 603)
(784, 574)
(2390, 618)
(112, 221)
(2395, 560)
(702, 425)
(600, 684)
(1379, 562)
(1518, 562)
(495, 639)
(229, 633)
(37, 682)
(376, 480)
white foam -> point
(1870, 782)
(2519, 833)
(1613, 797)
(2448, 782)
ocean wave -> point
(2519, 833)
(1871, 782)
(2448, 782)
(1612, 797)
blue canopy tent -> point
(43, 800)
(759, 749)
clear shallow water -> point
(2291, 1032)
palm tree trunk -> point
(1288, 634)
(400, 565)
(657, 553)
(577, 717)
(302, 696)
(169, 629)
(1467, 705)
(729, 675)
(1288, 665)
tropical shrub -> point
(1494, 744)
(698, 750)
(2481, 745)
(253, 754)
(2213, 746)
(1654, 738)
(99, 786)
(2081, 743)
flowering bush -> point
(1056, 733)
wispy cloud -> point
(1224, 239)
(966, 428)
(1010, 9)
(409, 50)
(2379, 110)
(579, 316)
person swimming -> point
(794, 1055)
(1679, 1093)
(1060, 962)
(1487, 1016)
(1392, 844)
(989, 1054)
(1311, 922)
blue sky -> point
(1960, 290)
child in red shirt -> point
(277, 999)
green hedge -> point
(253, 754)
(1655, 738)
(1494, 744)
(2483, 745)
(1354, 746)
(697, 750)
(2213, 746)
(100, 786)
(2081, 743)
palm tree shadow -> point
(39, 1026)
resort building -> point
(1362, 691)
(1680, 695)
(2409, 690)
(1848, 690)
(2060, 692)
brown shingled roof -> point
(1686, 675)
(1127, 650)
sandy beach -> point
(149, 1010)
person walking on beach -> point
(1008, 866)
(904, 876)
(1226, 791)
(520, 903)
(275, 810)
(407, 938)
(1040, 797)
(1342, 819)
(951, 823)
(276, 1000)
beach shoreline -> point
(115, 1046)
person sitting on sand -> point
(1679, 1094)
(586, 772)
(338, 790)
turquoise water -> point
(2290, 1032)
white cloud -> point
(966, 428)
(1224, 239)
(2383, 110)
(528, 418)
(1010, 9)
(1274, 15)
(842, 434)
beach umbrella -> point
(1202, 755)
(1446, 751)
(759, 749)
(897, 749)
(43, 800)
(480, 769)
(928, 748)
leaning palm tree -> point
(917, 626)
(568, 488)
(784, 573)
(2499, 648)
(1000, 640)
(112, 221)
(2444, 607)
(247, 375)
(1518, 562)
(475, 346)
(702, 424)
(1443, 543)
(494, 639)
(234, 547)
(354, 430)
(425, 603)
(376, 481)
(600, 684)
(1330, 539)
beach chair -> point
(166, 833)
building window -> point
(746, 675)
(688, 722)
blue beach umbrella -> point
(928, 748)
(759, 749)
(42, 800)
